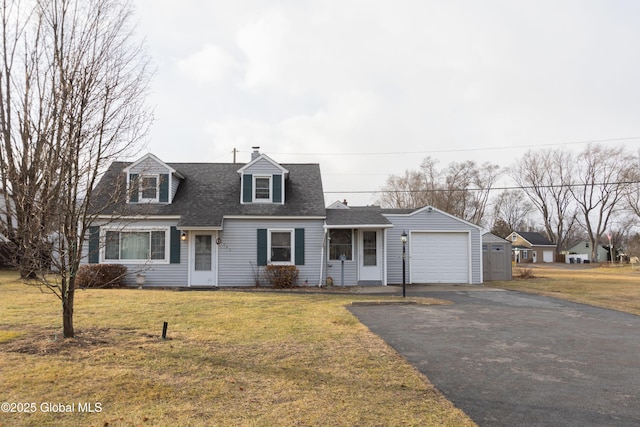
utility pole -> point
(234, 155)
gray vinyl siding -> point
(237, 252)
(428, 221)
(263, 167)
(175, 182)
(157, 275)
(149, 166)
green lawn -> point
(232, 358)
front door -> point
(203, 260)
(370, 255)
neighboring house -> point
(213, 224)
(581, 251)
(531, 247)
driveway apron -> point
(512, 359)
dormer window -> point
(262, 180)
(148, 188)
(262, 186)
(150, 180)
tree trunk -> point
(67, 313)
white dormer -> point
(339, 205)
(150, 180)
(262, 180)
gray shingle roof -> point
(535, 238)
(211, 191)
(356, 216)
(492, 238)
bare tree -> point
(545, 177)
(462, 189)
(604, 175)
(511, 209)
(633, 195)
(405, 192)
(72, 91)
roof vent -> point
(256, 153)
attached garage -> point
(439, 257)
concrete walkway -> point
(512, 359)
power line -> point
(526, 187)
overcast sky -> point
(370, 88)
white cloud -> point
(328, 76)
(263, 43)
(211, 64)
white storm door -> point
(203, 259)
(370, 262)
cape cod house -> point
(531, 247)
(218, 224)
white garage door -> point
(439, 257)
(547, 256)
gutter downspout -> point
(324, 239)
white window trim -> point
(141, 178)
(352, 248)
(292, 241)
(254, 188)
(103, 245)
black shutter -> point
(174, 248)
(277, 189)
(262, 246)
(247, 188)
(94, 245)
(299, 241)
(133, 188)
(164, 188)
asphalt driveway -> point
(512, 359)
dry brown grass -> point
(232, 358)
(616, 287)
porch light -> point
(183, 236)
(403, 239)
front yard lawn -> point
(231, 358)
(611, 286)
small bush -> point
(281, 276)
(526, 273)
(101, 276)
